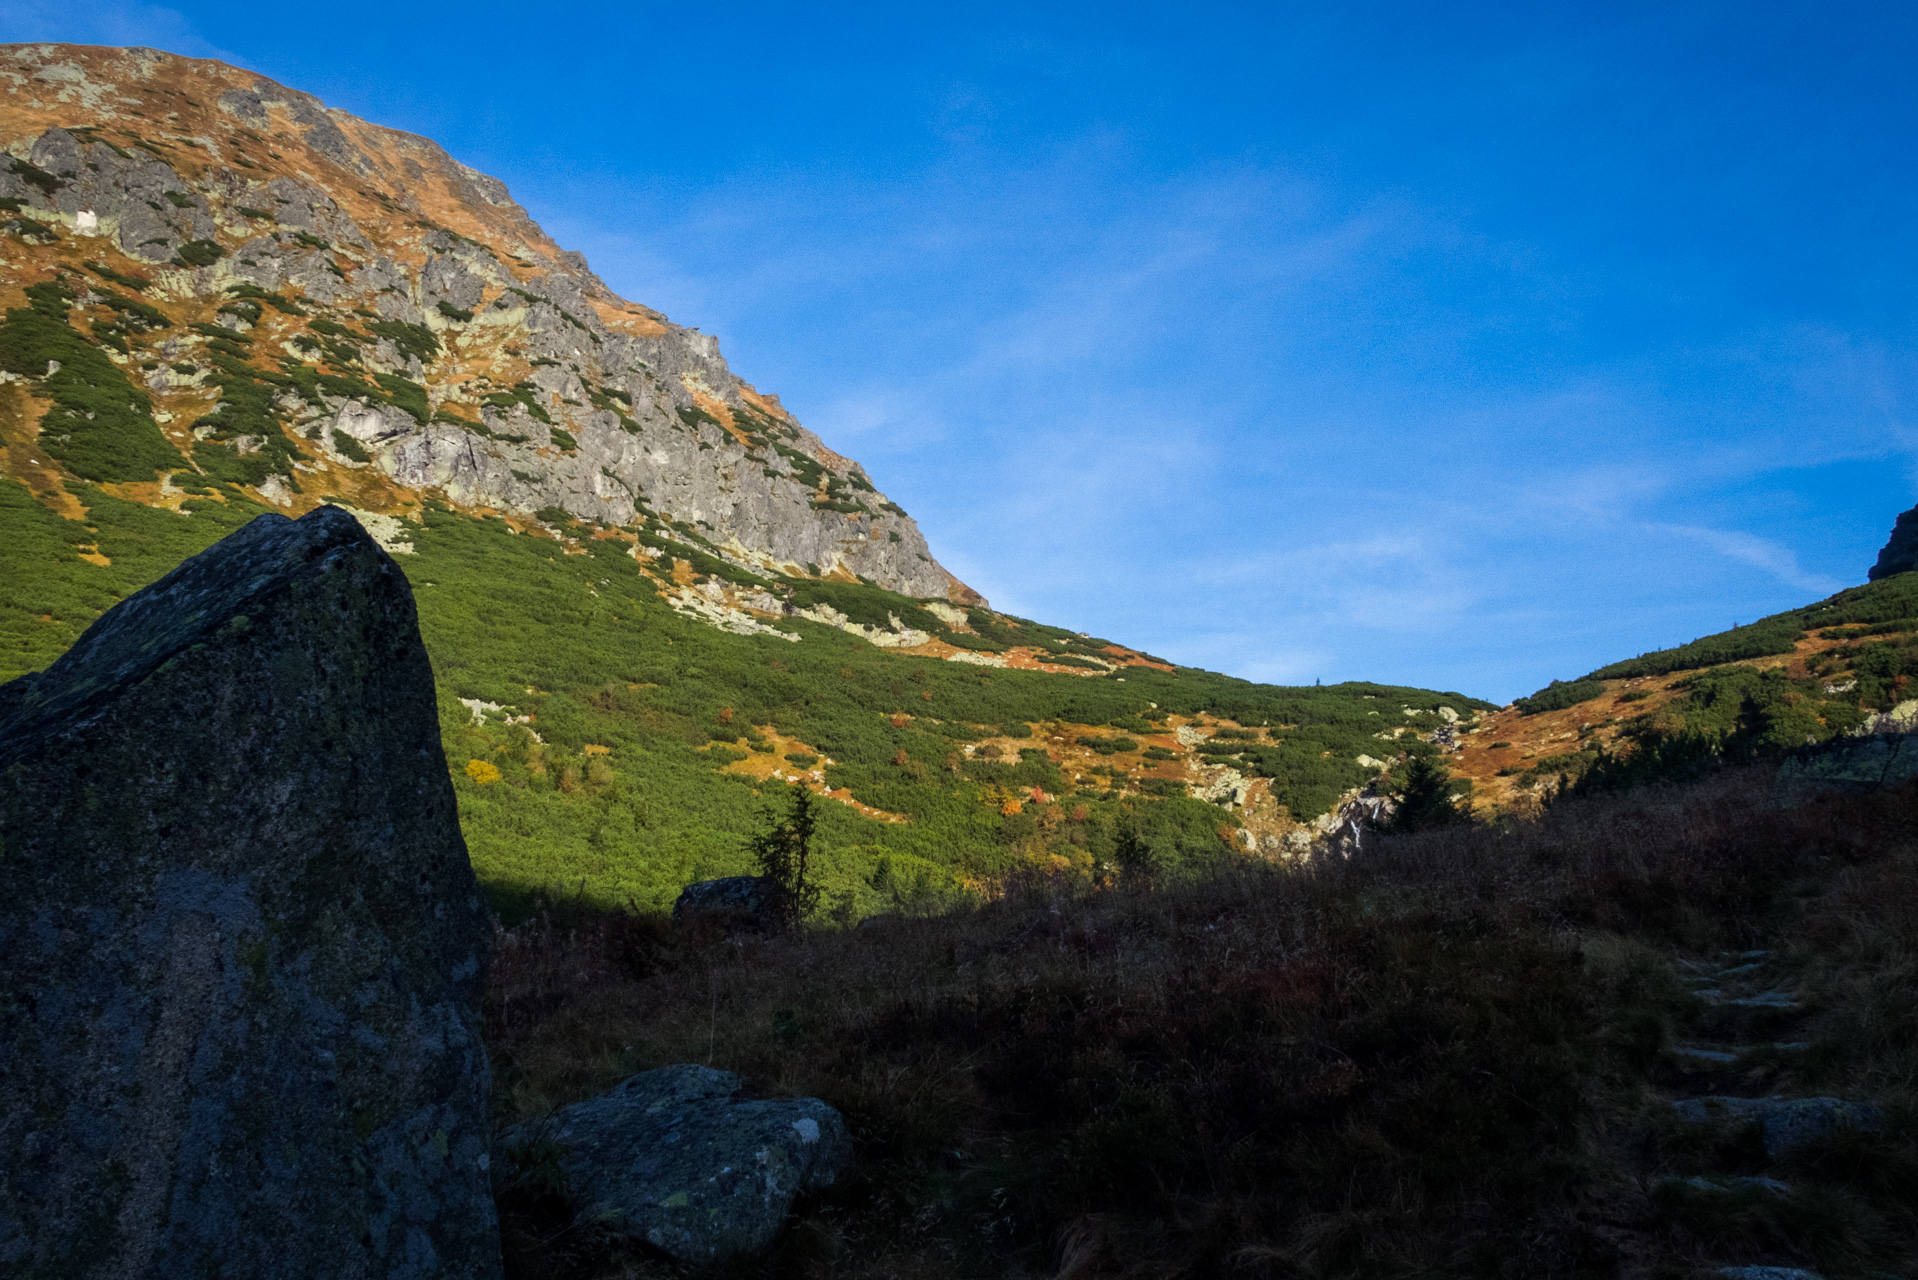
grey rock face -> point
(1900, 553)
(240, 940)
(1785, 1124)
(669, 1157)
(637, 401)
(1848, 764)
(736, 899)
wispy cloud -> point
(113, 22)
(1760, 553)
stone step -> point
(1785, 1124)
(1730, 1185)
(1726, 1054)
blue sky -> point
(1462, 346)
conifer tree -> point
(783, 854)
(1425, 798)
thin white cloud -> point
(1760, 553)
(112, 23)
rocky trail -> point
(1742, 1153)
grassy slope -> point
(1805, 675)
(581, 643)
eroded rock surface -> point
(240, 941)
(671, 1158)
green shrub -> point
(404, 393)
(349, 448)
(1558, 695)
(138, 284)
(411, 339)
(198, 253)
(33, 175)
(1760, 639)
(452, 312)
(563, 440)
(99, 426)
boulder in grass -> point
(735, 902)
(240, 940)
(672, 1158)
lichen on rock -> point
(672, 1158)
(240, 940)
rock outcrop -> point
(1866, 762)
(1900, 553)
(379, 308)
(672, 1158)
(240, 941)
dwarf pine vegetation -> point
(593, 766)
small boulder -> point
(670, 1157)
(1785, 1124)
(740, 902)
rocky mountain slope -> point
(651, 598)
(311, 304)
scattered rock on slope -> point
(240, 941)
(671, 1158)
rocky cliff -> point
(240, 940)
(1900, 552)
(314, 305)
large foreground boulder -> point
(671, 1158)
(240, 940)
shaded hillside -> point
(1455, 1054)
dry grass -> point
(1435, 1058)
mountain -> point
(443, 341)
(1842, 665)
(652, 598)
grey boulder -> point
(740, 901)
(670, 1157)
(1848, 764)
(240, 940)
(1785, 1124)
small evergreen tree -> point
(783, 854)
(1425, 798)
